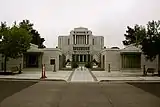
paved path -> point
(62, 94)
(82, 75)
(59, 75)
(123, 76)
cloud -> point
(107, 18)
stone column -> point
(82, 58)
(77, 39)
(83, 39)
(74, 39)
(86, 39)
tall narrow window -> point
(68, 41)
(73, 39)
(87, 39)
(60, 40)
(93, 42)
(101, 40)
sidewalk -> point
(123, 76)
(36, 75)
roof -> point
(130, 48)
(34, 48)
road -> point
(72, 94)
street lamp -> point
(2, 55)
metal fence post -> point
(109, 68)
(144, 70)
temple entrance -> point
(80, 58)
(32, 60)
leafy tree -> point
(134, 35)
(151, 43)
(148, 38)
(16, 40)
(36, 39)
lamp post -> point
(2, 37)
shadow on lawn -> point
(153, 87)
(8, 88)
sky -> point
(108, 18)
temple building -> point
(82, 46)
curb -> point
(94, 77)
(70, 77)
(129, 81)
(32, 79)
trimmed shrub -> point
(88, 65)
(74, 65)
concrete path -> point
(82, 75)
(36, 75)
(123, 76)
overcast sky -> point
(107, 18)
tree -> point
(36, 39)
(16, 40)
(148, 38)
(134, 35)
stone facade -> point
(81, 45)
(127, 59)
(34, 58)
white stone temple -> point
(81, 46)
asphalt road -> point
(62, 94)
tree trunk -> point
(5, 63)
(159, 64)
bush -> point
(88, 65)
(94, 61)
(74, 65)
(68, 61)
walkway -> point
(82, 75)
(36, 75)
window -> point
(101, 40)
(93, 41)
(68, 41)
(74, 39)
(131, 60)
(60, 40)
(52, 61)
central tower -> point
(81, 45)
